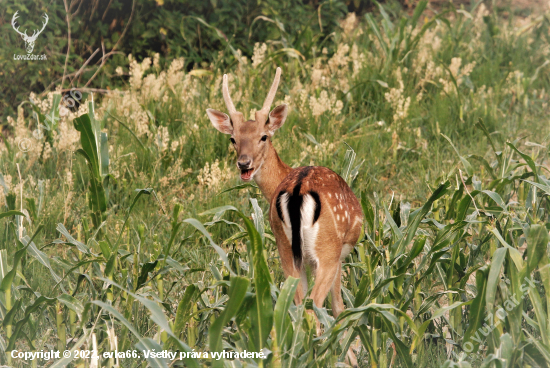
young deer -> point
(314, 215)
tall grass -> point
(144, 238)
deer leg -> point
(290, 269)
(338, 307)
(325, 275)
(336, 292)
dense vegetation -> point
(124, 226)
(103, 32)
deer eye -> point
(264, 138)
(232, 140)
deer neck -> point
(271, 174)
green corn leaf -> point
(428, 302)
(237, 291)
(157, 316)
(416, 249)
(143, 276)
(8, 321)
(368, 212)
(40, 256)
(284, 301)
(494, 276)
(545, 188)
(217, 248)
(527, 159)
(496, 197)
(537, 242)
(467, 165)
(8, 277)
(184, 306)
(399, 346)
(540, 313)
(140, 192)
(543, 350)
(415, 222)
(438, 313)
(105, 249)
(477, 310)
(362, 291)
(146, 344)
(261, 314)
(63, 362)
(81, 247)
(365, 336)
(258, 217)
(481, 125)
(72, 303)
(11, 213)
(18, 329)
(237, 187)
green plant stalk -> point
(353, 279)
(521, 192)
(136, 268)
(418, 322)
(61, 332)
(374, 342)
(436, 211)
(492, 246)
(276, 361)
(383, 359)
(127, 314)
(130, 299)
(72, 322)
(191, 330)
(369, 268)
(110, 292)
(8, 327)
(8, 308)
(361, 250)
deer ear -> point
(220, 121)
(277, 118)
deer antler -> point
(233, 113)
(261, 116)
(15, 16)
(36, 32)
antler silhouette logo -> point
(29, 40)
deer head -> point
(29, 40)
(252, 138)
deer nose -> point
(244, 162)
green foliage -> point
(196, 30)
(192, 265)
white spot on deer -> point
(309, 230)
(287, 226)
(330, 194)
(338, 217)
